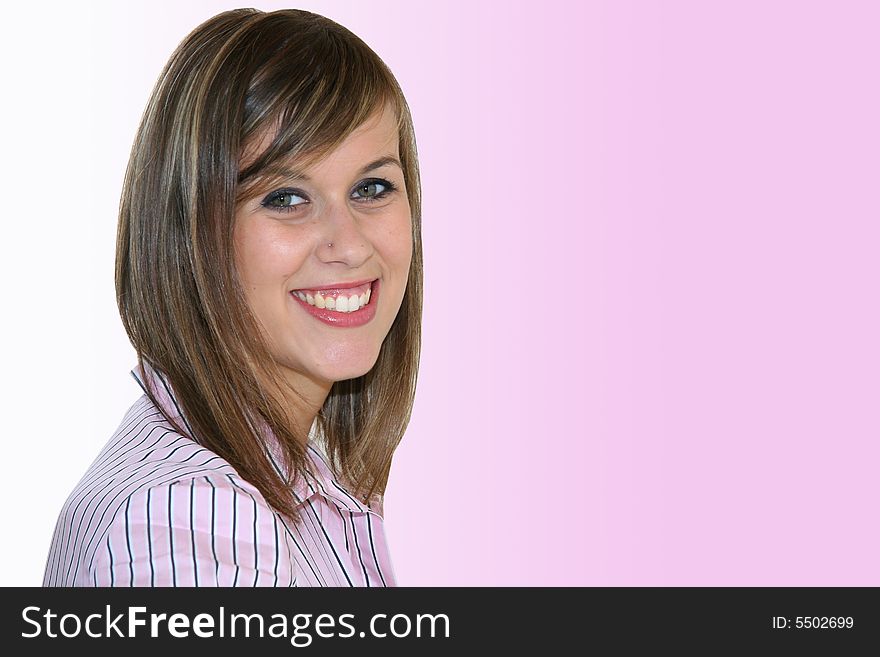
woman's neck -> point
(303, 401)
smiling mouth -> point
(341, 300)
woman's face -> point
(324, 257)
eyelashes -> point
(285, 200)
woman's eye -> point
(283, 199)
(371, 190)
(289, 200)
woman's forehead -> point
(379, 132)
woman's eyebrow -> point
(375, 164)
(381, 162)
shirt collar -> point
(319, 478)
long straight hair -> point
(241, 73)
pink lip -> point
(343, 320)
(341, 286)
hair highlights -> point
(308, 82)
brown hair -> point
(237, 75)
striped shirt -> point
(158, 509)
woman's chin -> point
(331, 363)
(347, 368)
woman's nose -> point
(343, 237)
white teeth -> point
(342, 304)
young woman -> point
(269, 275)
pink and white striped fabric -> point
(158, 509)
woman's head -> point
(246, 185)
(324, 255)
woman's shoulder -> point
(145, 469)
(147, 450)
(145, 457)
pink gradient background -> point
(651, 313)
